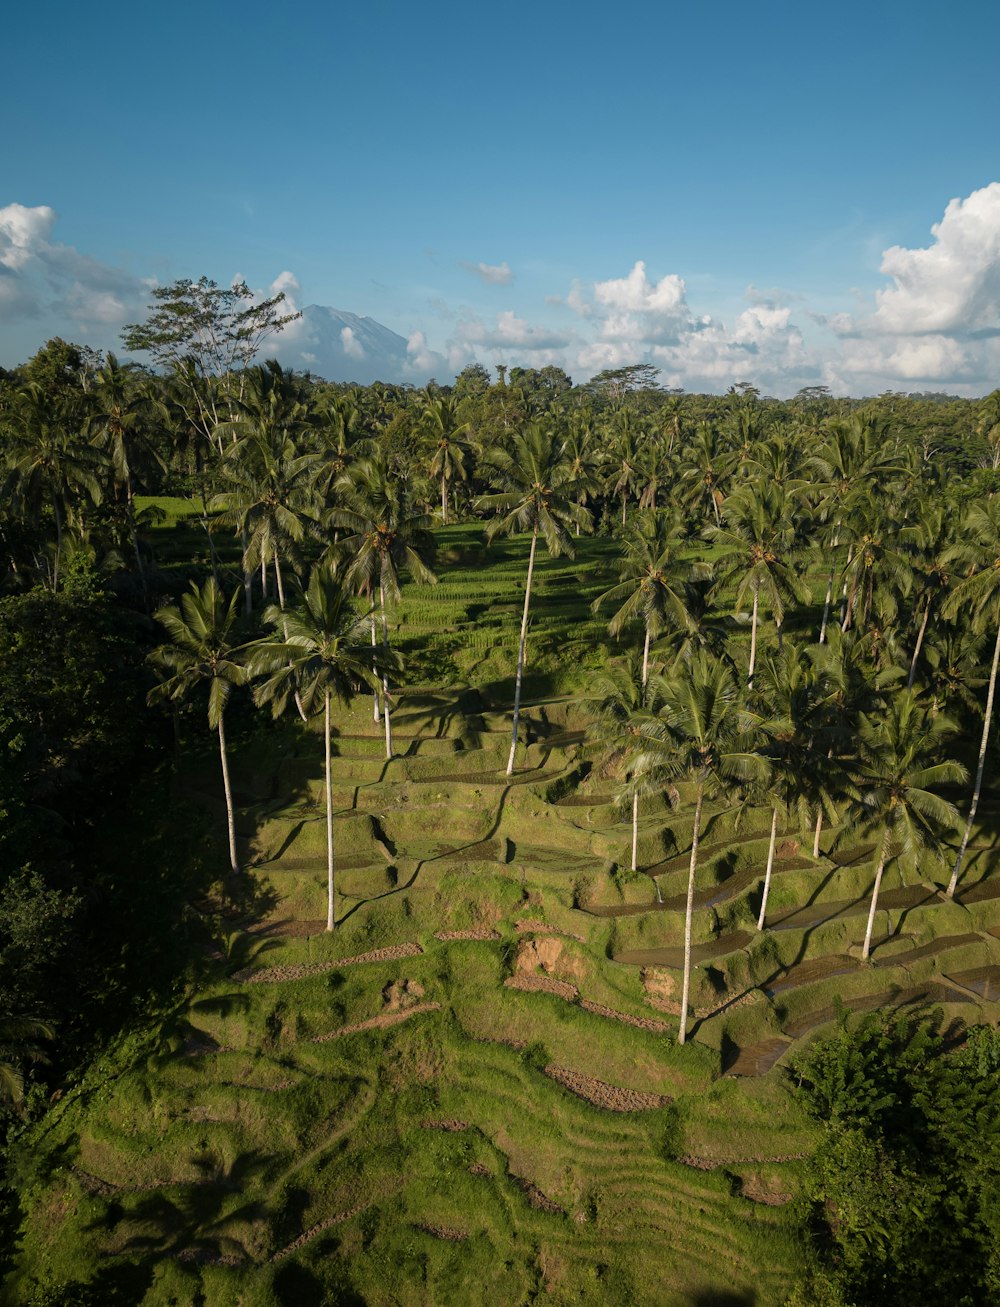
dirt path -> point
(380, 1022)
(298, 971)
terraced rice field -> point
(470, 1092)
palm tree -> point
(439, 419)
(704, 468)
(896, 777)
(756, 555)
(537, 493)
(387, 535)
(978, 551)
(619, 700)
(315, 653)
(927, 540)
(648, 592)
(878, 567)
(271, 498)
(118, 421)
(697, 736)
(852, 458)
(202, 652)
(19, 1038)
(50, 466)
(581, 453)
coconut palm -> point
(619, 701)
(704, 469)
(580, 449)
(877, 569)
(787, 712)
(755, 555)
(50, 466)
(19, 1043)
(202, 652)
(536, 492)
(118, 422)
(440, 423)
(651, 591)
(317, 654)
(899, 770)
(853, 457)
(978, 553)
(387, 534)
(926, 542)
(697, 736)
(270, 496)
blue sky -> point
(379, 153)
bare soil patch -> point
(450, 1124)
(446, 1232)
(381, 1022)
(476, 932)
(612, 1098)
(298, 971)
(532, 926)
(531, 983)
(641, 1023)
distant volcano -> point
(340, 346)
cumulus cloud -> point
(952, 286)
(42, 278)
(351, 345)
(937, 324)
(494, 274)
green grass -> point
(223, 1156)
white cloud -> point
(23, 233)
(45, 279)
(494, 274)
(285, 282)
(635, 292)
(953, 285)
(351, 345)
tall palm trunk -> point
(818, 831)
(284, 628)
(247, 577)
(917, 647)
(59, 536)
(770, 867)
(330, 923)
(520, 653)
(843, 593)
(376, 716)
(385, 676)
(826, 606)
(444, 500)
(689, 915)
(635, 797)
(753, 633)
(230, 816)
(882, 859)
(987, 721)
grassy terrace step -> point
(239, 1159)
